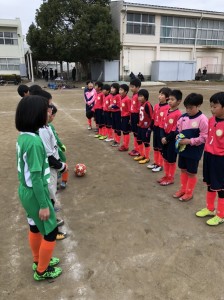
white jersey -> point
(50, 143)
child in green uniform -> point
(34, 176)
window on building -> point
(8, 38)
(180, 30)
(9, 64)
(140, 24)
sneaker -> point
(151, 166)
(123, 148)
(57, 208)
(161, 179)
(63, 185)
(115, 144)
(186, 197)
(89, 127)
(60, 222)
(138, 158)
(216, 220)
(61, 236)
(134, 153)
(51, 272)
(178, 194)
(109, 140)
(144, 161)
(53, 262)
(97, 136)
(157, 168)
(102, 137)
(204, 212)
(167, 181)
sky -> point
(26, 9)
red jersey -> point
(215, 140)
(115, 101)
(106, 102)
(135, 104)
(158, 114)
(125, 106)
(145, 115)
(99, 101)
(169, 122)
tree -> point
(74, 30)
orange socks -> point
(45, 254)
(35, 240)
(64, 176)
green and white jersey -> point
(31, 157)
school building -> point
(150, 33)
(12, 60)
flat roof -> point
(171, 8)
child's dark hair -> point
(176, 94)
(54, 109)
(193, 99)
(89, 81)
(165, 91)
(144, 93)
(106, 87)
(136, 82)
(218, 98)
(35, 89)
(31, 113)
(116, 86)
(99, 84)
(45, 94)
(124, 87)
(22, 90)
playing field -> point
(128, 239)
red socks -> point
(64, 176)
(141, 149)
(89, 122)
(136, 144)
(210, 200)
(156, 157)
(126, 138)
(171, 170)
(220, 208)
(183, 181)
(35, 240)
(191, 183)
(147, 152)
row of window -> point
(8, 38)
(9, 64)
(178, 30)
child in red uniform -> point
(107, 113)
(168, 137)
(193, 125)
(213, 164)
(135, 85)
(144, 132)
(158, 114)
(98, 109)
(125, 116)
(115, 108)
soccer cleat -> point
(144, 161)
(157, 168)
(204, 212)
(63, 185)
(134, 153)
(109, 140)
(50, 273)
(103, 137)
(162, 179)
(138, 158)
(186, 197)
(97, 136)
(216, 220)
(178, 194)
(89, 127)
(123, 148)
(115, 144)
(151, 166)
(60, 222)
(53, 262)
(61, 236)
(167, 181)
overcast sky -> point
(26, 9)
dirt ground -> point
(128, 238)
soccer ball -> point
(80, 170)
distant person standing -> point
(51, 74)
(43, 74)
(55, 73)
(46, 74)
(74, 73)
